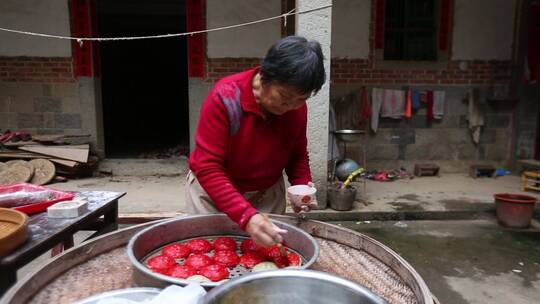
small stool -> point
(482, 171)
(426, 170)
(530, 180)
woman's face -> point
(279, 98)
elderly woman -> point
(252, 127)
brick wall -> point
(360, 71)
(39, 95)
(217, 68)
(36, 69)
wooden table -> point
(45, 233)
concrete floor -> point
(158, 186)
(475, 261)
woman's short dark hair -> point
(295, 61)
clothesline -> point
(81, 39)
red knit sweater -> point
(237, 151)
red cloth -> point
(429, 106)
(365, 110)
(408, 105)
(237, 151)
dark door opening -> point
(144, 82)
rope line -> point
(81, 39)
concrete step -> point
(144, 167)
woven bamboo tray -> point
(102, 264)
(13, 229)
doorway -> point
(144, 82)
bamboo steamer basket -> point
(13, 230)
(102, 264)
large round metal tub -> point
(291, 286)
(101, 265)
(145, 242)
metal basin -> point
(348, 135)
(145, 243)
(140, 294)
(290, 286)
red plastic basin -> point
(514, 210)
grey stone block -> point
(390, 123)
(402, 151)
(496, 152)
(403, 136)
(47, 104)
(50, 131)
(383, 136)
(488, 136)
(465, 152)
(47, 90)
(442, 136)
(67, 121)
(418, 121)
(497, 121)
(22, 104)
(463, 121)
(71, 105)
(48, 120)
(4, 121)
(481, 153)
(29, 120)
(4, 103)
(382, 152)
(66, 90)
(424, 152)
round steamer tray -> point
(151, 240)
(101, 265)
(234, 271)
(13, 229)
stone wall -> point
(446, 142)
(40, 108)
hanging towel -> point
(408, 105)
(393, 104)
(415, 99)
(438, 104)
(429, 115)
(476, 116)
(376, 102)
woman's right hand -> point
(263, 231)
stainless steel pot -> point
(145, 242)
(341, 199)
(290, 286)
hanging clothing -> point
(429, 115)
(476, 115)
(438, 104)
(415, 99)
(408, 105)
(393, 104)
(376, 102)
(365, 108)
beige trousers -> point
(271, 200)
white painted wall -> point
(250, 41)
(318, 26)
(350, 28)
(483, 29)
(50, 17)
